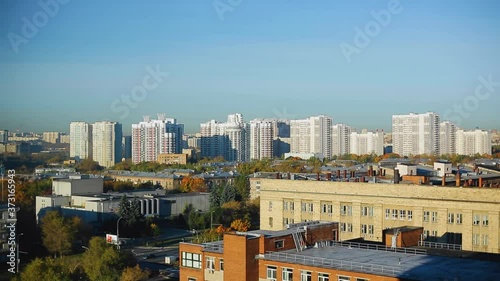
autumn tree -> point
(190, 184)
(57, 233)
(240, 225)
(102, 261)
(134, 274)
(44, 270)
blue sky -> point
(262, 59)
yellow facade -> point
(365, 209)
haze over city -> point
(279, 59)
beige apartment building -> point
(469, 217)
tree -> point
(44, 270)
(134, 274)
(57, 233)
(102, 261)
(88, 166)
(228, 194)
(242, 186)
(190, 184)
(240, 225)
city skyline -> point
(283, 59)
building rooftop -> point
(396, 264)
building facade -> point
(341, 139)
(468, 217)
(416, 134)
(80, 143)
(447, 138)
(473, 142)
(261, 139)
(51, 137)
(107, 143)
(312, 135)
(367, 143)
(228, 139)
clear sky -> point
(261, 58)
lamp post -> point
(118, 233)
(17, 250)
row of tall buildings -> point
(100, 141)
(414, 134)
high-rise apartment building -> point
(127, 147)
(473, 142)
(107, 143)
(227, 139)
(312, 135)
(4, 136)
(341, 139)
(153, 137)
(367, 143)
(80, 143)
(447, 138)
(416, 134)
(261, 139)
(51, 137)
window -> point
(270, 206)
(367, 211)
(327, 208)
(304, 207)
(451, 217)
(285, 205)
(287, 274)
(485, 240)
(475, 220)
(271, 273)
(346, 210)
(364, 229)
(434, 216)
(211, 264)
(279, 244)
(345, 227)
(344, 278)
(394, 214)
(459, 218)
(410, 215)
(191, 260)
(221, 264)
(370, 229)
(191, 279)
(426, 215)
(323, 277)
(402, 214)
(305, 276)
(270, 221)
(387, 213)
(310, 207)
(292, 206)
(485, 220)
(434, 233)
(475, 239)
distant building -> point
(367, 143)
(227, 139)
(261, 139)
(447, 138)
(4, 136)
(194, 142)
(416, 134)
(17, 148)
(173, 159)
(341, 139)
(281, 146)
(473, 142)
(312, 135)
(51, 137)
(127, 147)
(80, 145)
(65, 138)
(107, 143)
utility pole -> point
(118, 233)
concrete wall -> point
(467, 202)
(68, 187)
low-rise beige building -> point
(469, 217)
(173, 159)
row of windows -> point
(476, 240)
(401, 214)
(480, 220)
(345, 227)
(326, 208)
(191, 260)
(455, 218)
(287, 275)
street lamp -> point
(17, 250)
(118, 233)
(86, 248)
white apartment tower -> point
(51, 137)
(80, 140)
(107, 143)
(153, 137)
(341, 139)
(416, 134)
(312, 135)
(447, 138)
(367, 143)
(261, 139)
(473, 142)
(227, 139)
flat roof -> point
(402, 265)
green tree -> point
(88, 166)
(242, 186)
(44, 270)
(134, 274)
(102, 262)
(228, 194)
(57, 233)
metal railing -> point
(212, 247)
(379, 248)
(436, 245)
(332, 263)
